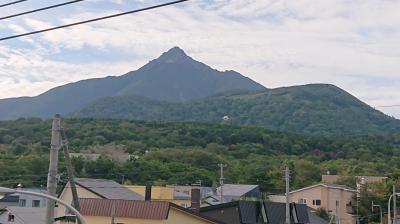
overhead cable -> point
(12, 3)
(40, 9)
(93, 20)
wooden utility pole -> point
(75, 198)
(221, 182)
(394, 206)
(287, 180)
(53, 167)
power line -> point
(40, 9)
(385, 106)
(12, 3)
(93, 20)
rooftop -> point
(332, 186)
(236, 190)
(108, 189)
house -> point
(168, 194)
(22, 215)
(23, 200)
(256, 212)
(335, 199)
(95, 188)
(232, 192)
(96, 210)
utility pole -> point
(394, 206)
(113, 211)
(53, 167)
(380, 211)
(70, 171)
(337, 213)
(221, 182)
(287, 180)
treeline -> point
(185, 153)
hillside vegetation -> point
(184, 153)
(316, 109)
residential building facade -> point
(335, 199)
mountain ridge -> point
(192, 80)
(310, 109)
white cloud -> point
(275, 42)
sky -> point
(352, 44)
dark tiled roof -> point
(108, 189)
(249, 211)
(155, 210)
(301, 213)
(276, 212)
(10, 199)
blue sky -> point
(352, 44)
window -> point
(35, 203)
(11, 218)
(22, 202)
(302, 201)
(316, 202)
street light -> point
(380, 211)
(72, 209)
(389, 216)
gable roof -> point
(108, 189)
(28, 214)
(150, 210)
(157, 210)
(332, 186)
(251, 212)
(236, 190)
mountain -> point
(174, 76)
(316, 108)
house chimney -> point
(195, 200)
(147, 195)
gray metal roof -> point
(108, 189)
(28, 214)
(236, 190)
(249, 212)
(181, 196)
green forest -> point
(187, 153)
(309, 109)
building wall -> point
(30, 198)
(160, 194)
(328, 197)
(4, 219)
(66, 195)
